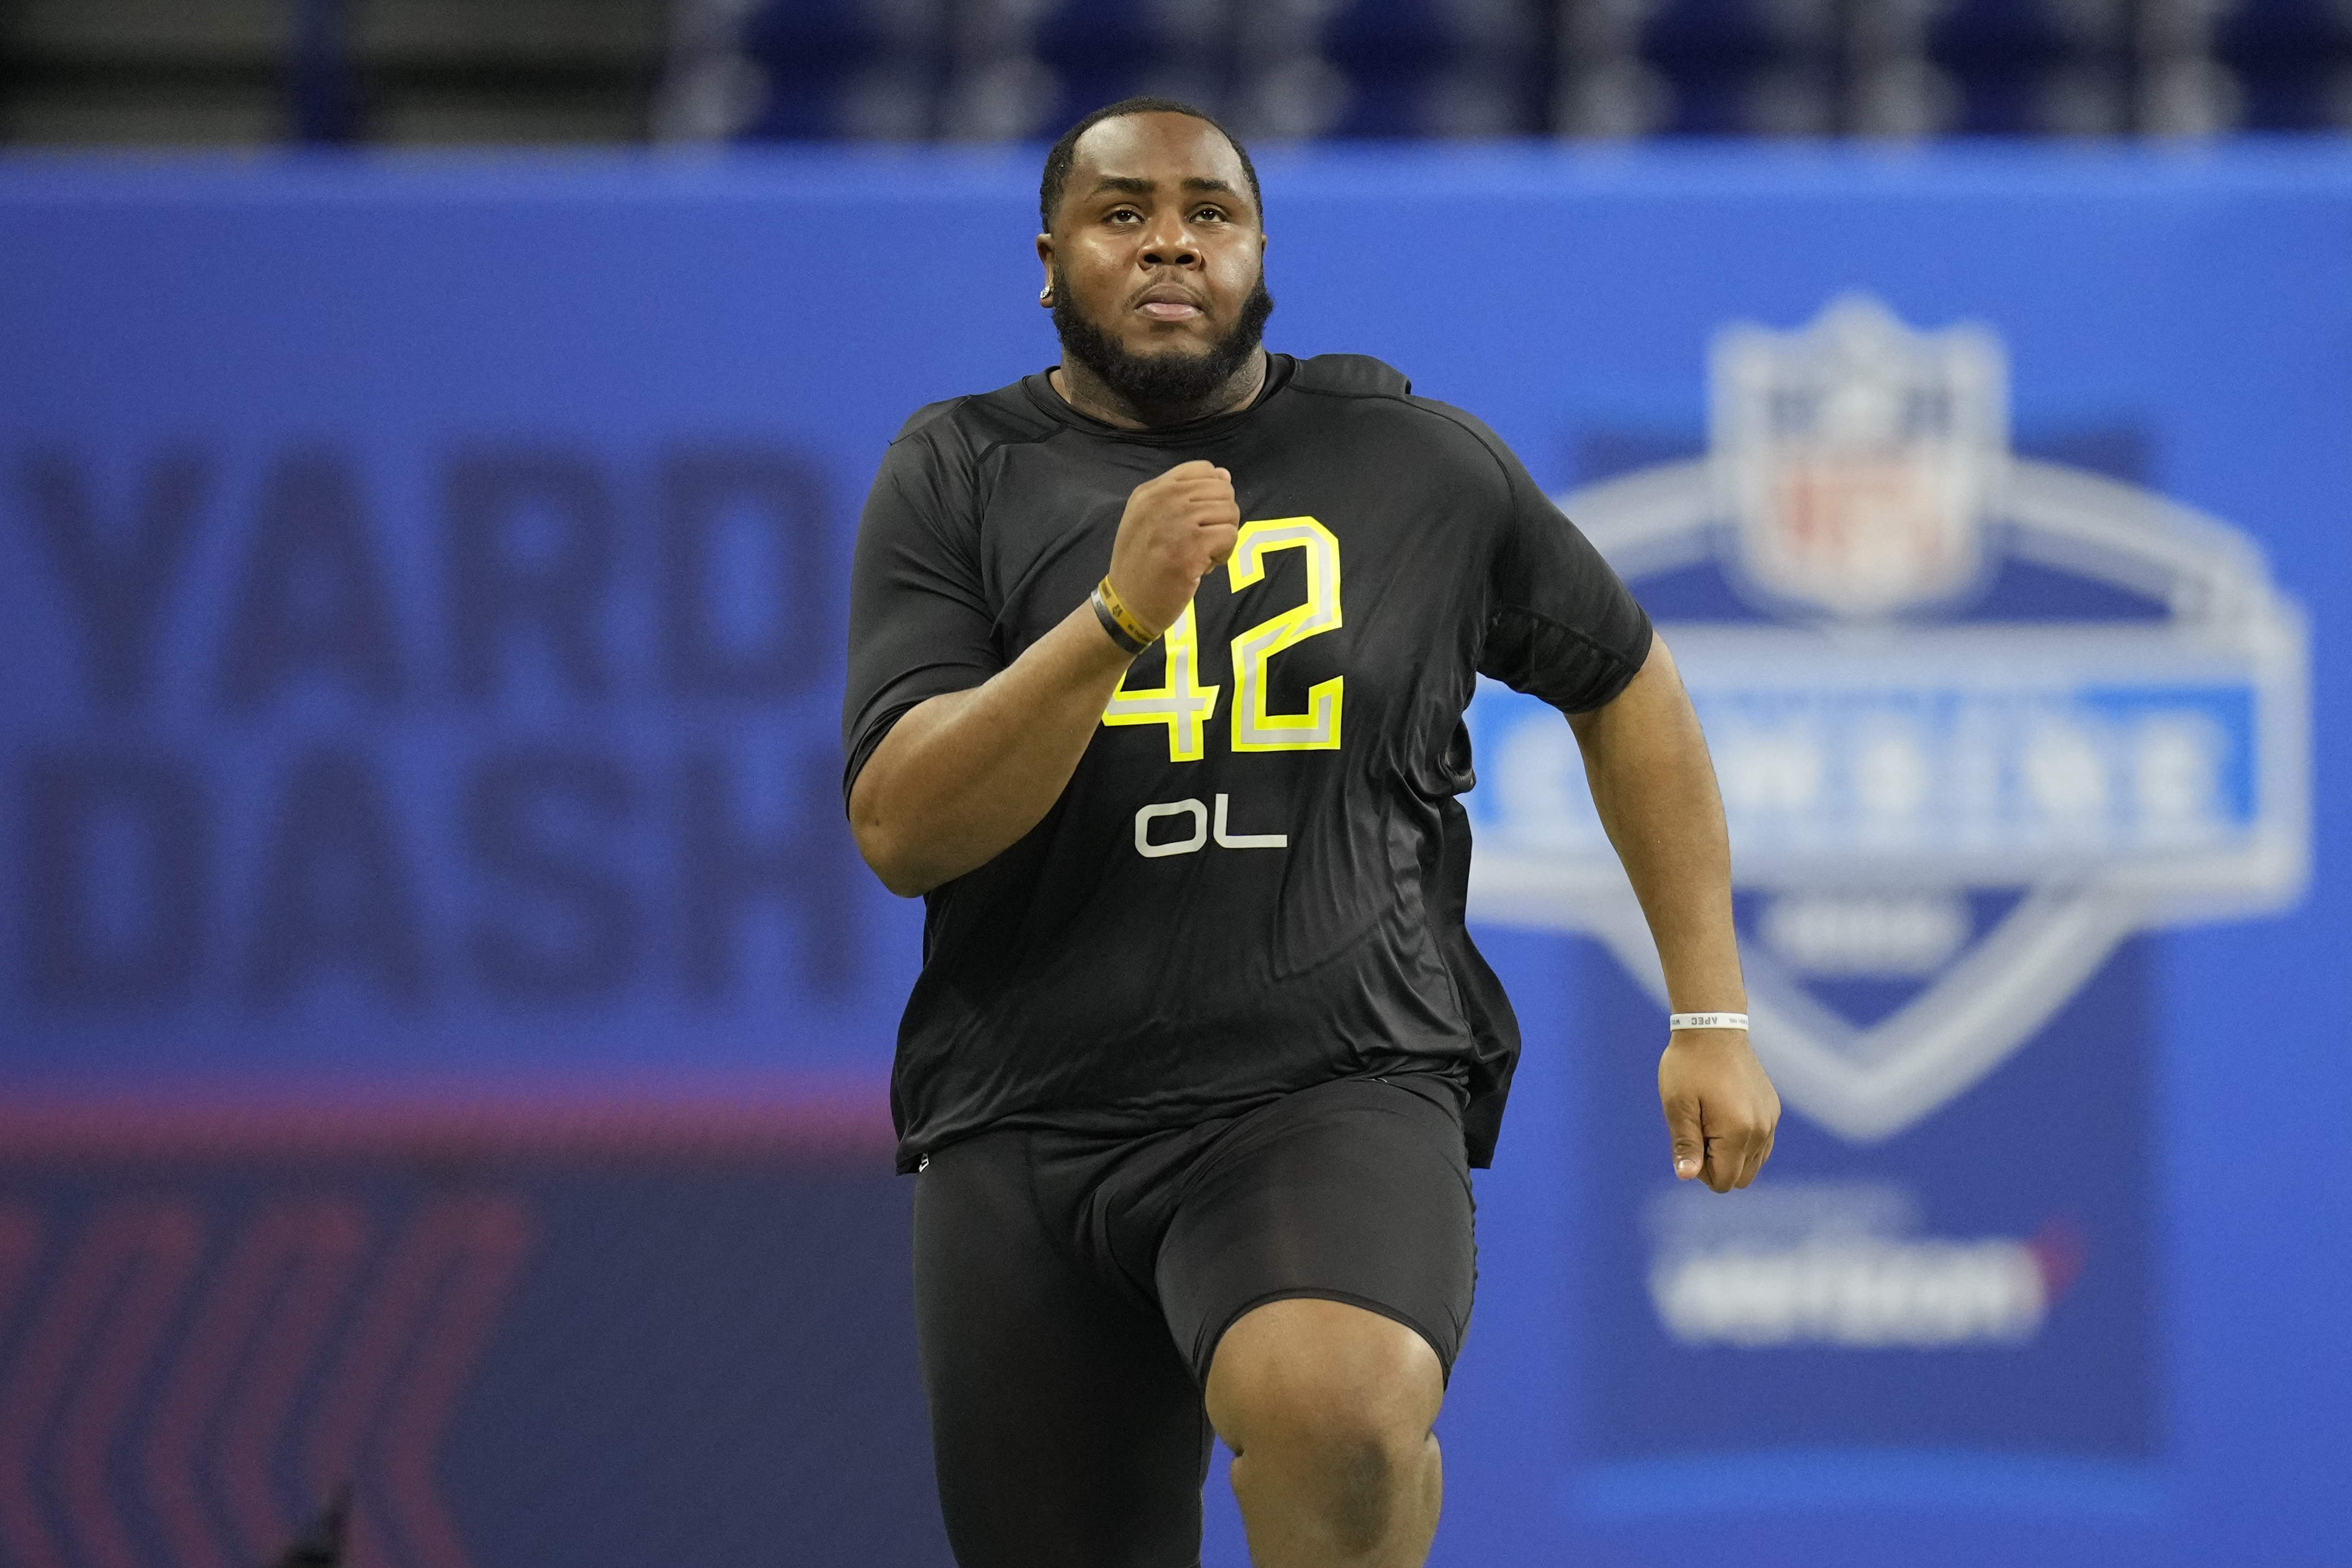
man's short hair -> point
(1066, 151)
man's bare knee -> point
(1328, 1410)
(1338, 1460)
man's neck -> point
(1090, 395)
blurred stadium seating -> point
(408, 71)
(990, 69)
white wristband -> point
(1706, 1020)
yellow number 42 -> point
(1185, 705)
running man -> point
(1158, 663)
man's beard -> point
(1161, 388)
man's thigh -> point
(1066, 1428)
(1355, 1191)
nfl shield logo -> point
(1859, 457)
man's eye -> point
(1212, 214)
(1120, 214)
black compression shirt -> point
(1254, 882)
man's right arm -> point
(963, 777)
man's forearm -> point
(1655, 791)
(960, 777)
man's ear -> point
(1045, 258)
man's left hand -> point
(1721, 1110)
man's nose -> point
(1169, 242)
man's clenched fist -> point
(1177, 528)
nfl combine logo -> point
(1979, 719)
(1859, 460)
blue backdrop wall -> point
(421, 591)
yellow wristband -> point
(1114, 612)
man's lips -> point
(1167, 302)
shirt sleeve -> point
(919, 622)
(1563, 626)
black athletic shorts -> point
(1070, 1291)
